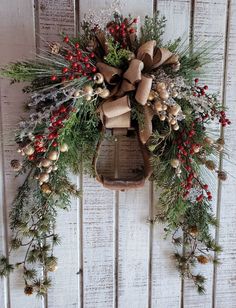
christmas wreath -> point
(115, 80)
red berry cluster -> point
(80, 63)
(120, 30)
(187, 147)
(223, 120)
(199, 91)
(43, 142)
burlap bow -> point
(115, 111)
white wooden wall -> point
(110, 257)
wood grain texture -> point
(51, 19)
(209, 25)
(17, 33)
(225, 295)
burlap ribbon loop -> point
(115, 111)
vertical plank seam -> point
(4, 209)
(150, 253)
(77, 16)
(221, 157)
(154, 6)
(116, 228)
(116, 249)
(36, 25)
(80, 244)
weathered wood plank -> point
(225, 284)
(133, 251)
(98, 244)
(164, 274)
(98, 223)
(51, 19)
(17, 33)
(209, 24)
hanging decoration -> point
(113, 81)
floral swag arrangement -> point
(106, 84)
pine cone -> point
(16, 165)
(193, 231)
(28, 290)
(202, 259)
(220, 141)
(222, 175)
(210, 164)
(46, 188)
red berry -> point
(65, 70)
(199, 198)
(63, 79)
(66, 39)
(79, 53)
(39, 137)
(76, 45)
(205, 87)
(87, 65)
(188, 168)
(74, 64)
(196, 80)
(205, 186)
(111, 30)
(54, 144)
(51, 136)
(132, 31)
(59, 122)
(86, 59)
(209, 197)
(54, 77)
(31, 157)
(92, 55)
(62, 109)
(135, 20)
(117, 27)
(70, 58)
(94, 69)
(71, 77)
(38, 143)
(122, 26)
(208, 193)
